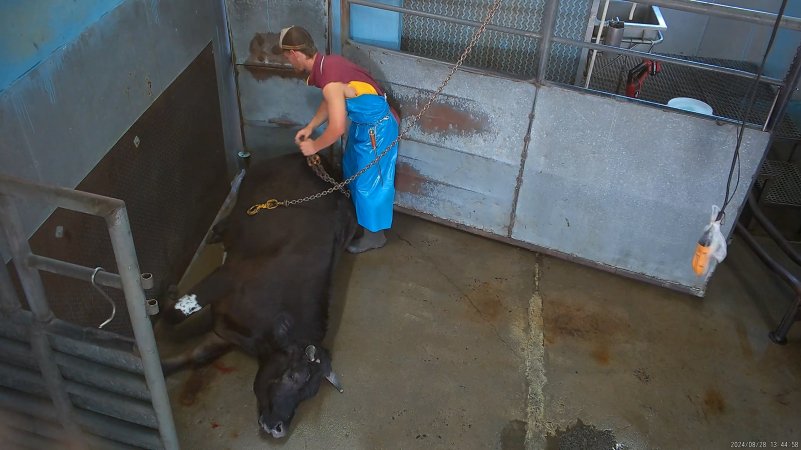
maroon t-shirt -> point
(334, 68)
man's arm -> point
(334, 99)
(319, 118)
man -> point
(349, 92)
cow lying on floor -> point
(271, 295)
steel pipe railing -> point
(19, 439)
(727, 12)
(784, 96)
(115, 214)
(67, 269)
(34, 292)
(747, 15)
(124, 253)
(401, 9)
(772, 231)
(9, 301)
(17, 353)
(779, 335)
(548, 21)
(71, 340)
(83, 396)
(106, 378)
(671, 60)
(89, 352)
(560, 40)
(20, 251)
(53, 431)
(97, 424)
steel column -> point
(122, 242)
(548, 21)
(344, 24)
(786, 92)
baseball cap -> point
(293, 38)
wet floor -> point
(448, 340)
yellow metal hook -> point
(269, 204)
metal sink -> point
(645, 24)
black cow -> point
(271, 295)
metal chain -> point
(412, 122)
(320, 171)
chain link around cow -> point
(273, 203)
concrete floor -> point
(447, 340)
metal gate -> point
(66, 386)
(611, 182)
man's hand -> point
(303, 135)
(307, 147)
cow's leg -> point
(210, 348)
(214, 287)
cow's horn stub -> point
(311, 352)
(334, 380)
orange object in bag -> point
(703, 251)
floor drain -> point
(584, 437)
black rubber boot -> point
(369, 241)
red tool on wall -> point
(638, 74)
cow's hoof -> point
(369, 241)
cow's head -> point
(285, 379)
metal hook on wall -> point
(113, 305)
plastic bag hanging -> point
(711, 246)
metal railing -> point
(785, 86)
(779, 335)
(129, 279)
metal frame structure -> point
(433, 189)
(785, 86)
(43, 323)
(779, 335)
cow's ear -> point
(311, 354)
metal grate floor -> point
(726, 94)
(781, 182)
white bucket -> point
(690, 104)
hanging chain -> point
(270, 204)
(315, 163)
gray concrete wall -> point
(271, 95)
(60, 118)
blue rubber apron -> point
(373, 192)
